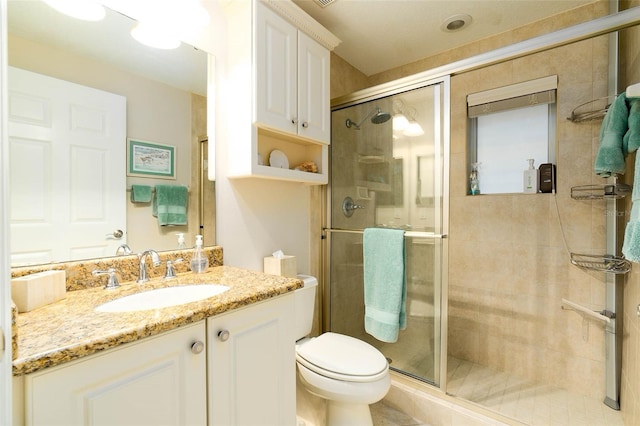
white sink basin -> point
(162, 298)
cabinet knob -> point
(223, 335)
(197, 347)
(294, 121)
(305, 124)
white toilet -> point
(349, 373)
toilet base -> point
(345, 414)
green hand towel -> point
(611, 153)
(170, 204)
(385, 290)
(140, 193)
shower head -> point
(380, 117)
(377, 117)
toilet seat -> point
(342, 357)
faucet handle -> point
(112, 282)
(170, 272)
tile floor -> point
(385, 415)
(532, 403)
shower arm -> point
(350, 123)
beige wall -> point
(509, 267)
(630, 385)
(156, 112)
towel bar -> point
(407, 234)
(154, 190)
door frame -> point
(5, 274)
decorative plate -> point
(278, 159)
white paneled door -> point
(67, 147)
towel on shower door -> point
(384, 283)
(170, 204)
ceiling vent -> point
(324, 3)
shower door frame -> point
(441, 291)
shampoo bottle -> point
(531, 179)
(199, 261)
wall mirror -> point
(165, 93)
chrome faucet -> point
(142, 271)
(123, 249)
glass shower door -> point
(387, 170)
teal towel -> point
(631, 244)
(385, 290)
(170, 204)
(631, 140)
(140, 193)
(611, 153)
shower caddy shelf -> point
(601, 263)
(600, 192)
(589, 111)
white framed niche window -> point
(507, 126)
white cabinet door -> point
(156, 381)
(251, 358)
(276, 88)
(292, 78)
(313, 89)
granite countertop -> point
(71, 328)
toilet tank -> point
(305, 302)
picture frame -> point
(150, 159)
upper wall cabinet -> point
(278, 97)
(292, 78)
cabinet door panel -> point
(313, 89)
(157, 381)
(252, 374)
(276, 50)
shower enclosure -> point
(388, 169)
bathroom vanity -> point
(223, 360)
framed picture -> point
(148, 159)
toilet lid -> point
(342, 355)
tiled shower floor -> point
(530, 403)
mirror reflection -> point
(78, 90)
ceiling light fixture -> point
(400, 122)
(153, 35)
(456, 22)
(413, 129)
(87, 10)
(404, 119)
(168, 22)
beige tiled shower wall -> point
(508, 265)
(630, 384)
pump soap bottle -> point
(181, 245)
(531, 178)
(199, 261)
